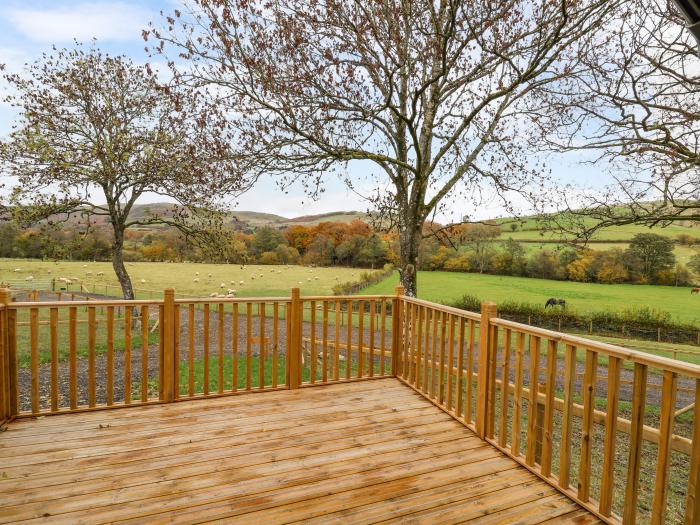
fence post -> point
(168, 331)
(486, 379)
(396, 328)
(294, 346)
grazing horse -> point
(552, 301)
(694, 290)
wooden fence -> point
(575, 412)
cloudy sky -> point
(30, 27)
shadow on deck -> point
(361, 452)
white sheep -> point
(196, 273)
(241, 283)
(231, 291)
(233, 282)
(222, 285)
(48, 271)
(261, 275)
(316, 278)
(30, 278)
(299, 282)
(100, 274)
(196, 279)
(84, 265)
(143, 281)
(18, 269)
(209, 275)
(214, 294)
(88, 273)
(308, 279)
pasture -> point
(189, 279)
(446, 287)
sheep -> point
(214, 294)
(30, 278)
(209, 275)
(261, 275)
(18, 269)
(308, 279)
(196, 280)
(316, 278)
(100, 274)
(196, 273)
(84, 265)
(231, 291)
(299, 282)
(222, 285)
(48, 271)
(88, 273)
(241, 283)
(143, 281)
(232, 282)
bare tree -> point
(438, 96)
(96, 128)
(635, 101)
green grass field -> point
(446, 287)
(258, 281)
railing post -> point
(396, 329)
(294, 344)
(5, 298)
(486, 382)
(168, 345)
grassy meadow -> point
(189, 279)
(446, 287)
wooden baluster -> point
(419, 347)
(427, 364)
(220, 337)
(275, 342)
(405, 318)
(505, 384)
(288, 338)
(312, 353)
(144, 352)
(296, 324)
(589, 387)
(639, 396)
(441, 370)
(434, 356)
(127, 356)
(450, 359)
(336, 344)
(491, 405)
(263, 349)
(234, 349)
(548, 426)
(72, 356)
(190, 351)
(396, 321)
(382, 342)
(692, 507)
(607, 483)
(348, 358)
(531, 443)
(517, 395)
(91, 356)
(110, 355)
(205, 386)
(176, 350)
(324, 359)
(34, 357)
(372, 313)
(567, 416)
(460, 367)
(470, 373)
(53, 314)
(661, 480)
(161, 353)
(249, 345)
(360, 339)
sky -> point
(29, 28)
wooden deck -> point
(362, 452)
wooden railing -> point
(578, 413)
(67, 356)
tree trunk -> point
(118, 265)
(409, 241)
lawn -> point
(446, 287)
(191, 279)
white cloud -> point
(104, 21)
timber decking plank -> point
(358, 452)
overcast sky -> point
(30, 27)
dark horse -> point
(552, 301)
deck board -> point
(364, 452)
